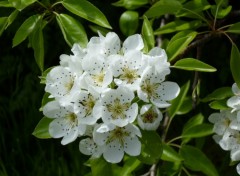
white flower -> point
(133, 43)
(238, 169)
(117, 140)
(66, 124)
(157, 58)
(104, 45)
(87, 106)
(117, 107)
(222, 121)
(152, 88)
(149, 118)
(128, 69)
(235, 153)
(234, 102)
(88, 147)
(230, 139)
(62, 84)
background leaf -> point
(193, 65)
(21, 4)
(41, 130)
(196, 131)
(128, 22)
(234, 64)
(147, 33)
(86, 10)
(72, 30)
(219, 94)
(235, 28)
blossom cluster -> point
(227, 126)
(104, 92)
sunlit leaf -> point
(169, 154)
(195, 120)
(196, 160)
(235, 28)
(130, 164)
(128, 22)
(41, 130)
(163, 7)
(72, 30)
(5, 4)
(147, 33)
(186, 106)
(86, 10)
(21, 4)
(151, 147)
(177, 25)
(220, 12)
(197, 131)
(219, 104)
(219, 94)
(179, 43)
(130, 4)
(193, 65)
(28, 26)
(177, 102)
(234, 64)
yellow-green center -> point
(89, 103)
(69, 85)
(149, 89)
(149, 116)
(98, 79)
(118, 134)
(118, 109)
(129, 75)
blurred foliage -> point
(200, 37)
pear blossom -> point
(238, 169)
(154, 89)
(66, 124)
(117, 107)
(234, 102)
(117, 140)
(150, 117)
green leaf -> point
(11, 18)
(235, 28)
(185, 107)
(3, 24)
(72, 30)
(177, 102)
(5, 4)
(44, 74)
(87, 11)
(197, 131)
(163, 7)
(147, 33)
(169, 154)
(196, 160)
(220, 12)
(28, 26)
(128, 22)
(234, 64)
(219, 94)
(45, 100)
(100, 166)
(41, 130)
(130, 4)
(178, 25)
(130, 164)
(21, 4)
(219, 105)
(193, 65)
(179, 43)
(195, 120)
(37, 43)
(151, 147)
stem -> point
(56, 3)
(166, 124)
(228, 37)
(174, 139)
(41, 4)
(185, 170)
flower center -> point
(129, 75)
(72, 120)
(118, 134)
(149, 89)
(98, 79)
(69, 85)
(89, 103)
(117, 109)
(149, 116)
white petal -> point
(132, 146)
(133, 129)
(235, 89)
(234, 102)
(235, 154)
(235, 125)
(133, 42)
(55, 129)
(217, 138)
(70, 137)
(132, 112)
(168, 90)
(88, 147)
(238, 168)
(113, 152)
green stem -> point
(56, 3)
(185, 170)
(174, 139)
(41, 4)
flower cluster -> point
(103, 93)
(227, 126)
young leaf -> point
(28, 26)
(179, 42)
(197, 131)
(219, 105)
(128, 22)
(11, 18)
(220, 12)
(147, 33)
(163, 7)
(100, 166)
(196, 160)
(195, 120)
(86, 10)
(219, 94)
(235, 28)
(151, 147)
(177, 102)
(72, 30)
(169, 154)
(41, 130)
(186, 106)
(234, 64)
(130, 164)
(21, 4)
(178, 25)
(193, 65)
(3, 24)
